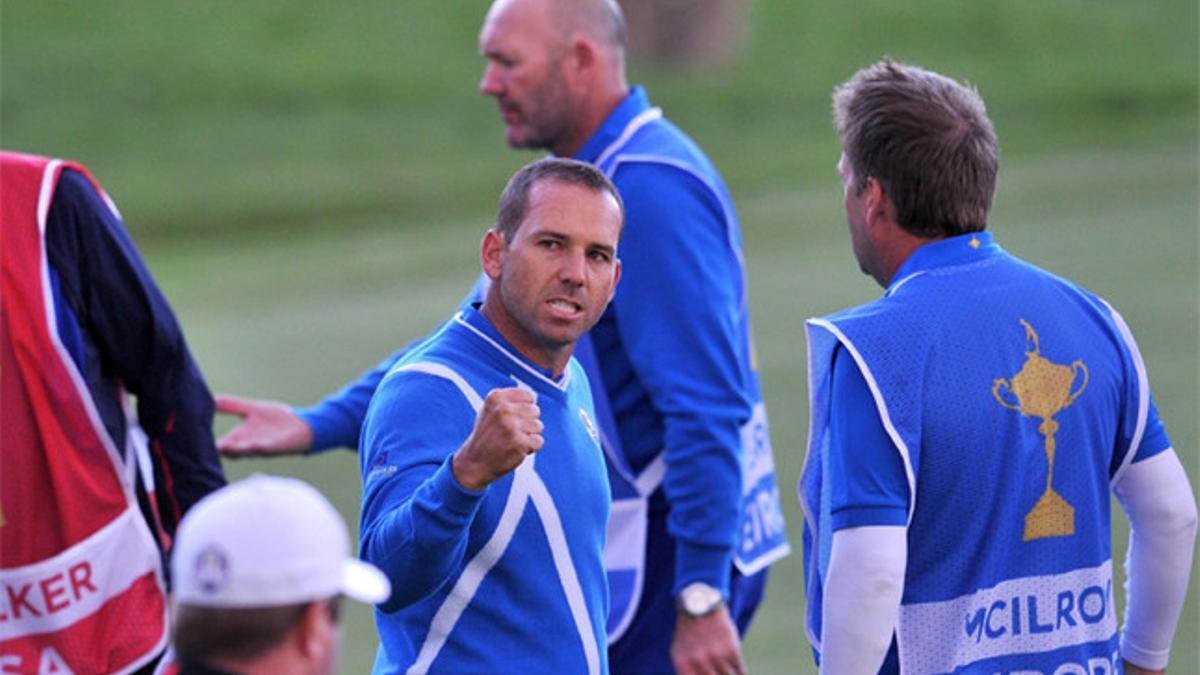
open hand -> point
(267, 428)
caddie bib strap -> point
(81, 585)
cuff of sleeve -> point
(1145, 658)
(867, 516)
(453, 495)
(323, 436)
(709, 564)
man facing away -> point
(696, 518)
(485, 497)
(260, 568)
(968, 427)
(90, 492)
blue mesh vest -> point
(1014, 397)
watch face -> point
(699, 599)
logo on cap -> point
(211, 569)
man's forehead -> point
(550, 199)
(552, 190)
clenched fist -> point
(507, 429)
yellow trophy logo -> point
(1043, 389)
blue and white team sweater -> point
(979, 366)
(509, 579)
(674, 373)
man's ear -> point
(877, 203)
(314, 632)
(581, 62)
(491, 253)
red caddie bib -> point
(81, 581)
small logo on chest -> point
(591, 428)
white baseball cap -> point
(268, 541)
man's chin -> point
(522, 141)
(563, 336)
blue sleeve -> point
(867, 480)
(1154, 438)
(416, 517)
(1154, 435)
(678, 308)
(338, 418)
(122, 311)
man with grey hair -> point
(696, 517)
(968, 426)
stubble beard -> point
(549, 118)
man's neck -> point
(276, 661)
(595, 111)
(545, 357)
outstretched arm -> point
(139, 339)
(275, 428)
(266, 428)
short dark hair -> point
(928, 141)
(199, 634)
(514, 201)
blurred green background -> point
(309, 181)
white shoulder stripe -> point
(881, 406)
(1143, 392)
(444, 372)
(646, 117)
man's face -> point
(524, 73)
(856, 217)
(559, 271)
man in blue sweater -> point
(696, 517)
(485, 497)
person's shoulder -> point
(74, 192)
(74, 181)
(664, 147)
(579, 387)
(1066, 287)
(666, 185)
(445, 370)
(418, 398)
(885, 309)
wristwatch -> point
(698, 600)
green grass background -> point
(308, 181)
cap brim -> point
(364, 582)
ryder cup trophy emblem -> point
(1043, 389)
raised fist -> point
(507, 429)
